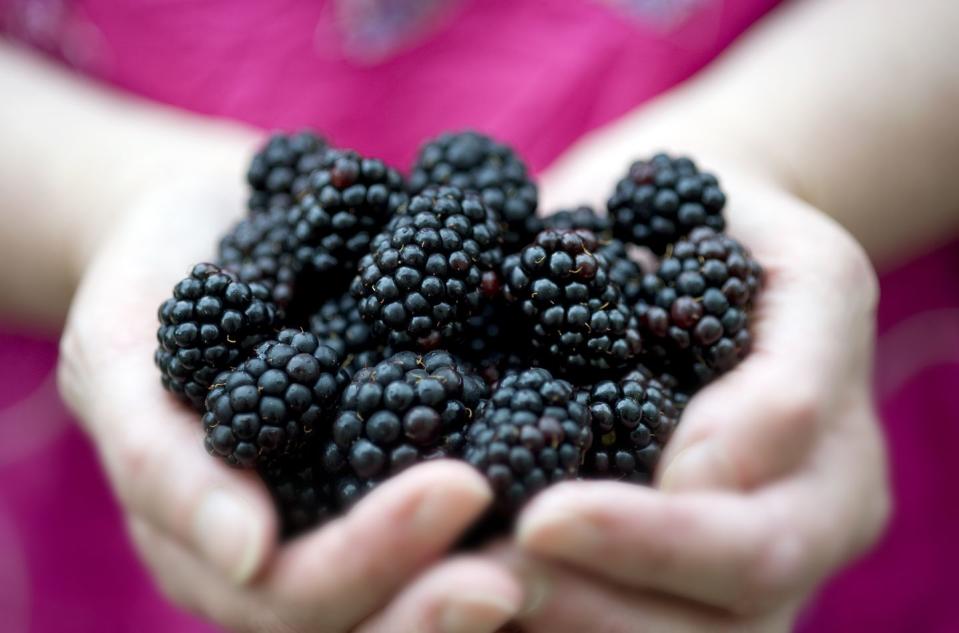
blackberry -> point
(632, 419)
(338, 324)
(581, 217)
(406, 409)
(303, 497)
(529, 434)
(695, 308)
(427, 273)
(268, 405)
(490, 342)
(258, 250)
(209, 324)
(474, 162)
(623, 270)
(347, 201)
(279, 171)
(662, 199)
(575, 314)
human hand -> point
(776, 474)
(209, 532)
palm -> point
(182, 505)
(776, 474)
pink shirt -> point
(382, 76)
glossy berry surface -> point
(209, 324)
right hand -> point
(208, 532)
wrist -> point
(191, 154)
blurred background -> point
(381, 76)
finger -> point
(340, 574)
(812, 332)
(743, 553)
(153, 452)
(188, 581)
(720, 549)
(462, 595)
(574, 603)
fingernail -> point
(700, 467)
(556, 529)
(226, 534)
(442, 501)
(477, 613)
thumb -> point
(811, 351)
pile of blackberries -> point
(356, 322)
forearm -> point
(849, 104)
(77, 156)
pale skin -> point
(832, 127)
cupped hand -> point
(208, 532)
(776, 475)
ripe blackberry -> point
(632, 419)
(405, 409)
(269, 404)
(474, 162)
(303, 497)
(209, 324)
(258, 250)
(279, 171)
(529, 434)
(490, 343)
(695, 308)
(574, 312)
(347, 201)
(338, 324)
(662, 199)
(623, 270)
(581, 217)
(428, 271)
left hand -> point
(774, 479)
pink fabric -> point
(538, 73)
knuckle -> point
(665, 559)
(877, 510)
(136, 456)
(773, 567)
(855, 271)
(268, 620)
(70, 371)
(795, 407)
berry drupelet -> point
(347, 201)
(575, 316)
(279, 171)
(406, 409)
(625, 272)
(474, 162)
(529, 434)
(429, 270)
(209, 324)
(695, 308)
(258, 250)
(662, 199)
(632, 419)
(338, 324)
(268, 405)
